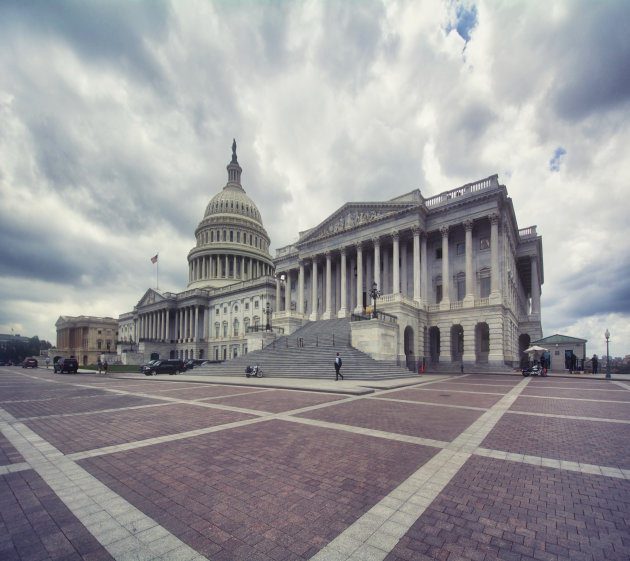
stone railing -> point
(529, 232)
(469, 188)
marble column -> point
(359, 308)
(446, 284)
(343, 310)
(535, 287)
(396, 263)
(416, 264)
(328, 310)
(424, 271)
(495, 290)
(278, 294)
(196, 326)
(377, 263)
(300, 302)
(313, 316)
(469, 299)
(287, 292)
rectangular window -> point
(438, 293)
(238, 237)
(438, 253)
(461, 248)
(484, 243)
(231, 235)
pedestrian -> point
(47, 361)
(338, 367)
(105, 366)
(100, 366)
(461, 367)
(594, 364)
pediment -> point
(354, 215)
(151, 296)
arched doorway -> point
(434, 344)
(411, 359)
(524, 342)
(457, 343)
(482, 342)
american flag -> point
(154, 259)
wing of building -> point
(449, 279)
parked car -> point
(146, 366)
(66, 365)
(29, 363)
(165, 367)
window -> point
(461, 248)
(235, 328)
(231, 235)
(236, 308)
(438, 293)
(484, 243)
(217, 311)
(224, 235)
(217, 330)
(225, 309)
(256, 304)
(438, 253)
(225, 329)
(247, 305)
(238, 237)
(461, 287)
(99, 344)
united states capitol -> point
(447, 281)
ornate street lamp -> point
(607, 335)
(268, 314)
(374, 294)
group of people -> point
(102, 366)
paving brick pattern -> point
(276, 401)
(35, 525)
(446, 397)
(87, 432)
(8, 453)
(509, 511)
(72, 405)
(425, 421)
(274, 490)
(575, 440)
(574, 407)
(539, 469)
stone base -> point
(375, 338)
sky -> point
(117, 119)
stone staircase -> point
(310, 352)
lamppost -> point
(607, 335)
(268, 314)
(374, 294)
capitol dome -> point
(232, 243)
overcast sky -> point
(117, 119)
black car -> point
(66, 365)
(165, 367)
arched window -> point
(217, 329)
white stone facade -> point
(463, 281)
(459, 281)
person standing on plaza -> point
(105, 367)
(338, 367)
(47, 362)
(100, 366)
(594, 364)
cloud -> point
(116, 121)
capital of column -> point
(417, 231)
(444, 231)
(494, 218)
(376, 241)
(468, 225)
(395, 235)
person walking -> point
(100, 366)
(105, 367)
(338, 367)
(47, 362)
(594, 364)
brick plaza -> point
(466, 467)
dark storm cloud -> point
(594, 65)
(112, 32)
(599, 289)
(32, 251)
